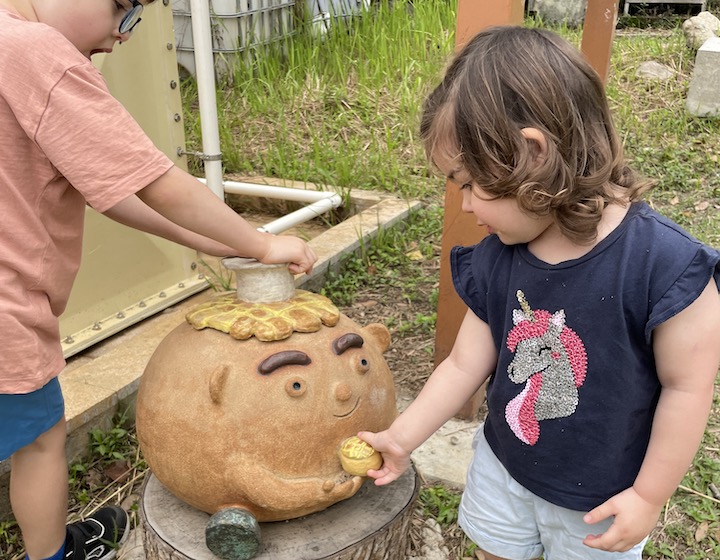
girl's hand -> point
(395, 459)
(292, 250)
(635, 517)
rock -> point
(703, 98)
(700, 28)
(571, 12)
(433, 547)
(654, 71)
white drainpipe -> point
(205, 72)
(320, 201)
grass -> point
(339, 111)
(343, 111)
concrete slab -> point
(446, 455)
(704, 94)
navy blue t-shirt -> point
(572, 399)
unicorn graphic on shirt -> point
(551, 361)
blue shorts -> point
(505, 519)
(23, 418)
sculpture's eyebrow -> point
(349, 340)
(280, 359)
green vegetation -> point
(338, 110)
(441, 504)
(392, 258)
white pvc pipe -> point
(302, 215)
(271, 191)
(320, 202)
(205, 73)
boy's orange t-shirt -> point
(64, 141)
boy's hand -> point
(634, 519)
(292, 250)
(395, 459)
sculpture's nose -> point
(342, 392)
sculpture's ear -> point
(379, 333)
(217, 383)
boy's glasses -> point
(132, 18)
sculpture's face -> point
(229, 417)
(339, 382)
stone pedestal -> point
(704, 94)
(372, 525)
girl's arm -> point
(687, 355)
(471, 361)
(134, 213)
(183, 200)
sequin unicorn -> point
(551, 360)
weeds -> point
(10, 538)
(387, 260)
(337, 111)
(220, 278)
(441, 504)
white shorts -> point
(505, 519)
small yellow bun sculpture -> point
(358, 457)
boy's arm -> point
(687, 355)
(134, 213)
(471, 361)
(182, 199)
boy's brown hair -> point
(509, 78)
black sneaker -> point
(99, 537)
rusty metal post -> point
(460, 228)
(598, 33)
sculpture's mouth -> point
(357, 402)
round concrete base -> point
(374, 523)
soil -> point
(410, 355)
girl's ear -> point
(537, 143)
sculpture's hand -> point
(340, 490)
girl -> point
(595, 319)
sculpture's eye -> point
(362, 364)
(295, 386)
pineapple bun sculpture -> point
(242, 409)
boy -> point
(66, 141)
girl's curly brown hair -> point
(509, 78)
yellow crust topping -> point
(358, 457)
(306, 312)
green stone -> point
(233, 534)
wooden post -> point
(460, 228)
(598, 33)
